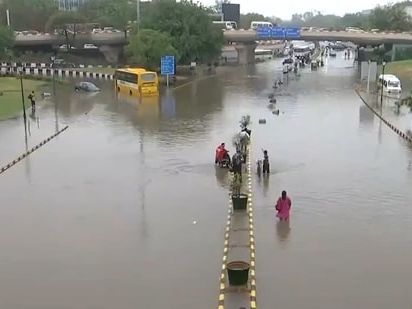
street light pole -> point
(54, 78)
(22, 94)
(369, 75)
(382, 80)
(138, 14)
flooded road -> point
(125, 209)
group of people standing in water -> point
(222, 158)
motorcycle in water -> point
(224, 160)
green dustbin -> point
(239, 201)
(238, 272)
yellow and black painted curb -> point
(252, 272)
(252, 249)
(30, 151)
(390, 125)
(222, 282)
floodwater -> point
(125, 208)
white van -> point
(225, 25)
(260, 24)
(391, 84)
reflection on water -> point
(366, 117)
(222, 176)
(168, 106)
(283, 230)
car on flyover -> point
(90, 46)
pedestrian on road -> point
(266, 169)
(283, 206)
(32, 99)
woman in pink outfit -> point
(283, 206)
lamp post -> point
(20, 70)
(369, 75)
(382, 80)
(53, 58)
(138, 14)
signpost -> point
(263, 33)
(167, 67)
(278, 33)
(292, 33)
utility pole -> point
(138, 15)
(8, 18)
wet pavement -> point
(125, 208)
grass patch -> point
(10, 95)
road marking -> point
(28, 152)
(193, 81)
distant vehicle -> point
(332, 53)
(136, 82)
(339, 46)
(225, 25)
(374, 30)
(108, 29)
(86, 86)
(391, 84)
(302, 50)
(96, 30)
(260, 24)
(354, 29)
(64, 46)
(90, 46)
(288, 61)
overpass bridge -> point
(111, 43)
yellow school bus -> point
(136, 82)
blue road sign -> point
(263, 33)
(292, 33)
(167, 65)
(278, 33)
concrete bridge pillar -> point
(246, 52)
(111, 53)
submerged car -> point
(86, 86)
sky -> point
(285, 9)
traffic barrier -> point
(28, 152)
(400, 133)
(13, 70)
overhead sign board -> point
(167, 65)
(292, 33)
(278, 33)
(263, 33)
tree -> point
(189, 25)
(148, 46)
(246, 19)
(6, 40)
(307, 16)
(28, 14)
(297, 19)
(355, 20)
(390, 17)
(66, 21)
(109, 13)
